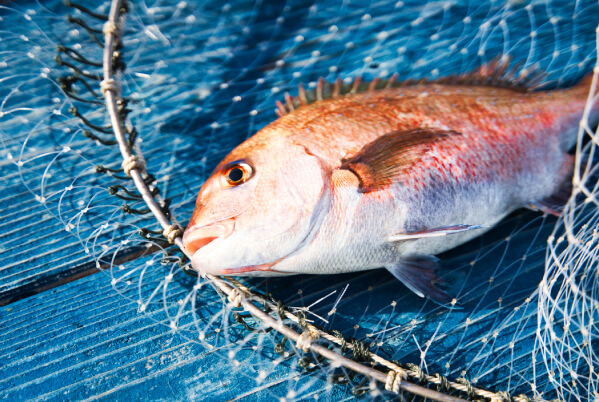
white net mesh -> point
(567, 300)
(202, 77)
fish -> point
(387, 174)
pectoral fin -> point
(384, 160)
(435, 232)
(418, 274)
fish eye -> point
(237, 173)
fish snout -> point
(196, 236)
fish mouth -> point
(197, 237)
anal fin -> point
(418, 274)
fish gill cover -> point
(202, 76)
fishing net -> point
(199, 77)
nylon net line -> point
(196, 79)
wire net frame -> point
(396, 378)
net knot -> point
(132, 162)
(172, 232)
(235, 297)
(417, 371)
(342, 341)
(306, 338)
(360, 350)
(110, 28)
(109, 85)
(500, 396)
(394, 379)
(442, 383)
(468, 387)
(301, 319)
(281, 310)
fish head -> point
(258, 207)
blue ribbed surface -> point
(187, 64)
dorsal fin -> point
(327, 90)
(495, 73)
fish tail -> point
(586, 82)
(579, 93)
(585, 87)
(576, 99)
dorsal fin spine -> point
(373, 84)
(337, 88)
(319, 89)
(281, 109)
(302, 95)
(289, 102)
(356, 85)
(392, 80)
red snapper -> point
(386, 174)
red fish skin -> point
(511, 151)
(493, 121)
(496, 123)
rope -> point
(133, 162)
(235, 297)
(305, 340)
(172, 232)
(443, 384)
(469, 388)
(394, 379)
(110, 28)
(109, 84)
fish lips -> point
(199, 236)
